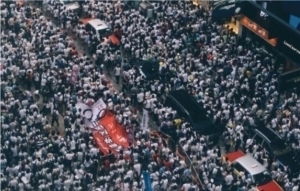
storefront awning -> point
(258, 30)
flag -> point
(147, 181)
(109, 135)
(145, 120)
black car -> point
(150, 69)
(193, 112)
(277, 148)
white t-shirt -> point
(186, 186)
(94, 151)
(229, 179)
(117, 71)
(140, 97)
(69, 156)
(164, 184)
(147, 104)
(137, 168)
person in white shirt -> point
(295, 187)
(140, 98)
(164, 183)
(117, 71)
(186, 186)
(228, 179)
(137, 167)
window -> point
(104, 32)
(252, 133)
(279, 147)
(88, 27)
(266, 146)
(262, 178)
(238, 167)
(258, 139)
(94, 31)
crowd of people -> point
(45, 144)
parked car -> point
(277, 148)
(72, 6)
(100, 28)
(251, 168)
(149, 69)
(187, 107)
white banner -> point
(94, 112)
(145, 120)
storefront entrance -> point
(233, 24)
(281, 61)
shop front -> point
(196, 2)
(248, 18)
(203, 3)
(278, 34)
(225, 12)
(257, 30)
(280, 38)
(288, 46)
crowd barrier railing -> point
(195, 174)
(177, 148)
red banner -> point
(101, 144)
(117, 133)
(110, 135)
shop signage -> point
(263, 33)
(291, 47)
(290, 80)
(227, 7)
(263, 14)
(223, 10)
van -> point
(276, 147)
(193, 112)
(100, 28)
(71, 5)
(245, 164)
(149, 69)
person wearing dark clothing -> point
(54, 118)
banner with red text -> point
(99, 139)
(117, 133)
(109, 135)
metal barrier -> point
(177, 148)
(195, 174)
